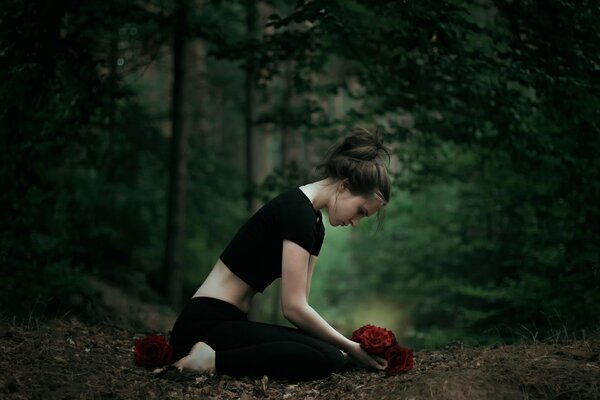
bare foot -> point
(201, 359)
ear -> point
(343, 185)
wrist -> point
(351, 346)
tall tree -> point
(249, 110)
(173, 264)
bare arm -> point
(311, 267)
(294, 291)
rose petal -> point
(375, 340)
(152, 351)
(400, 359)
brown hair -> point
(359, 159)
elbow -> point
(292, 311)
(288, 312)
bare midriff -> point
(224, 285)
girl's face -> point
(348, 209)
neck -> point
(320, 192)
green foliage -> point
(84, 155)
(215, 212)
(492, 108)
(77, 193)
(494, 225)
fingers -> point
(368, 360)
(381, 361)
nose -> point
(354, 221)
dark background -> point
(136, 136)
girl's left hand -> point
(365, 359)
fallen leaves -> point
(69, 359)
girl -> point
(283, 239)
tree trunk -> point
(173, 265)
(250, 82)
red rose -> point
(152, 351)
(373, 339)
(399, 359)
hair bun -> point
(364, 146)
(360, 159)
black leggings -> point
(245, 348)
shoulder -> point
(292, 215)
(293, 205)
(291, 201)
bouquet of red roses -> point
(382, 342)
(152, 351)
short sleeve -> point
(299, 225)
(320, 236)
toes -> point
(182, 363)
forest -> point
(137, 136)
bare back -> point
(224, 285)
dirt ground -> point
(73, 360)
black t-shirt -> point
(254, 253)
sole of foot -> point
(200, 359)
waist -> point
(223, 284)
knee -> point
(334, 359)
(312, 362)
(325, 361)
